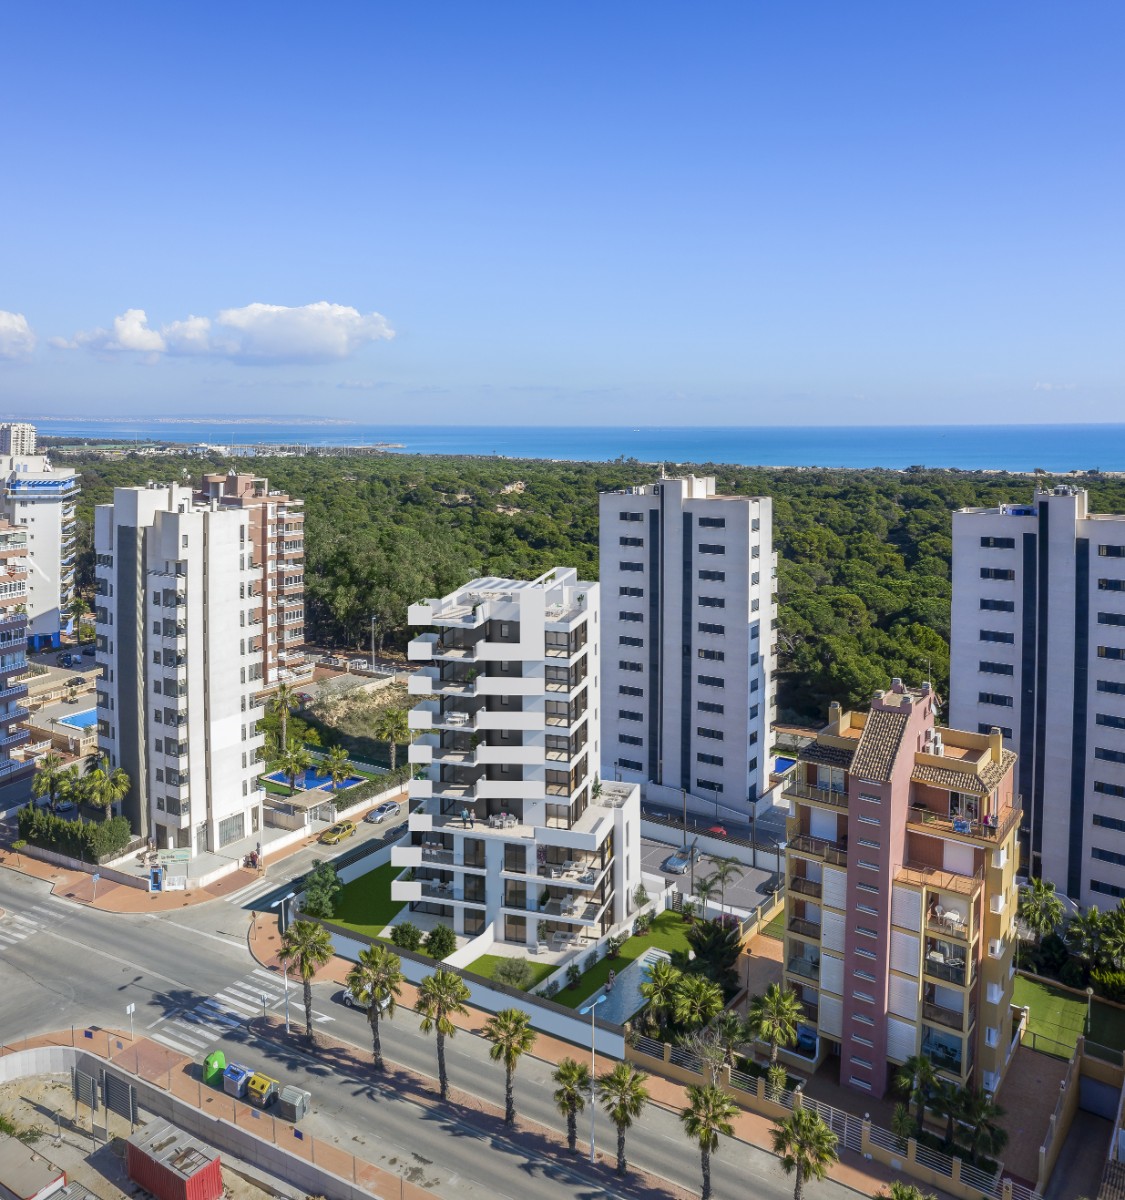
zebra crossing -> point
(246, 897)
(193, 1030)
(16, 927)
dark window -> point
(716, 735)
(631, 566)
(629, 516)
(707, 706)
(712, 760)
(636, 593)
(753, 764)
(1107, 855)
(753, 712)
(628, 739)
(1105, 755)
(711, 548)
(1111, 618)
(1108, 789)
(626, 714)
(995, 543)
(1111, 721)
(1108, 822)
(1106, 889)
(625, 690)
(997, 635)
(713, 576)
(712, 655)
(712, 602)
(705, 627)
(710, 681)
(626, 665)
(625, 640)
(630, 616)
(1111, 551)
(1005, 730)
(712, 522)
(1111, 585)
(706, 785)
(997, 605)
(630, 764)
(1115, 689)
(995, 698)
(996, 573)
(1111, 652)
(631, 541)
(995, 668)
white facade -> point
(1038, 650)
(17, 438)
(514, 828)
(181, 660)
(40, 498)
(688, 579)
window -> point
(998, 543)
(1108, 789)
(1111, 721)
(863, 931)
(628, 739)
(631, 516)
(710, 681)
(712, 602)
(711, 760)
(1107, 889)
(1109, 822)
(704, 732)
(869, 844)
(997, 635)
(632, 541)
(706, 785)
(631, 566)
(753, 712)
(1114, 689)
(996, 573)
(626, 690)
(1111, 585)
(869, 820)
(1111, 618)
(868, 887)
(625, 640)
(626, 714)
(1117, 756)
(635, 592)
(867, 977)
(753, 738)
(997, 668)
(866, 908)
(708, 706)
(712, 522)
(1005, 730)
(863, 952)
(625, 615)
(1111, 551)
(755, 605)
(713, 576)
(712, 655)
(1111, 652)
(711, 548)
(626, 665)
(630, 764)
(1107, 856)
(997, 605)
(754, 630)
(752, 765)
(707, 627)
(231, 829)
(995, 698)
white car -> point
(350, 1000)
(389, 808)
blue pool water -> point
(782, 764)
(81, 720)
(626, 998)
(313, 779)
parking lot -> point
(742, 893)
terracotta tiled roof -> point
(878, 745)
(827, 756)
(981, 782)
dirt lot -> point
(41, 1112)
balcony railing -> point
(820, 848)
(809, 929)
(960, 932)
(932, 822)
(806, 968)
(936, 968)
(806, 791)
(951, 1018)
(806, 887)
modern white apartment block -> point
(1038, 650)
(13, 654)
(17, 438)
(687, 580)
(513, 828)
(40, 499)
(182, 661)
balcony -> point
(807, 968)
(818, 795)
(935, 966)
(944, 1052)
(801, 886)
(828, 852)
(804, 928)
(922, 875)
(968, 827)
(951, 1018)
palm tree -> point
(573, 1079)
(729, 1034)
(623, 1095)
(1039, 908)
(773, 1018)
(511, 1036)
(392, 727)
(307, 947)
(948, 1101)
(697, 1001)
(338, 766)
(295, 761)
(805, 1145)
(104, 787)
(660, 989)
(917, 1079)
(726, 869)
(376, 981)
(281, 703)
(441, 997)
(904, 1191)
(982, 1114)
(705, 888)
(708, 1114)
(47, 778)
(1084, 934)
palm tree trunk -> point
(705, 1162)
(572, 1128)
(308, 1010)
(284, 715)
(376, 1046)
(621, 1164)
(393, 750)
(773, 1054)
(443, 1079)
(799, 1187)
(510, 1097)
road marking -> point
(215, 937)
(273, 975)
(190, 1051)
(238, 1004)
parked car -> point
(396, 831)
(77, 681)
(65, 808)
(339, 831)
(389, 808)
(717, 831)
(676, 864)
(349, 999)
(90, 649)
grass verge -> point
(365, 904)
(1059, 1016)
(486, 965)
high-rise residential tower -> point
(13, 653)
(689, 606)
(17, 438)
(901, 874)
(1038, 650)
(182, 659)
(514, 828)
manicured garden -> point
(487, 964)
(365, 904)
(1060, 1016)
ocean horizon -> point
(1015, 448)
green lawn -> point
(1060, 1016)
(776, 927)
(365, 904)
(668, 932)
(487, 963)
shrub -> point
(406, 936)
(573, 974)
(440, 941)
(551, 989)
(640, 896)
(91, 841)
(1074, 973)
(321, 888)
(613, 946)
(590, 960)
(776, 1077)
(514, 973)
(643, 922)
(1053, 953)
(1110, 984)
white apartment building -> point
(181, 659)
(687, 580)
(513, 827)
(40, 499)
(1038, 650)
(17, 437)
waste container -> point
(213, 1067)
(293, 1103)
(261, 1090)
(235, 1078)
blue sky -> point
(587, 213)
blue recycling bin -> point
(235, 1079)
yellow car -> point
(339, 831)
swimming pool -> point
(780, 765)
(312, 779)
(626, 998)
(81, 720)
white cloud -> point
(1054, 387)
(256, 333)
(16, 337)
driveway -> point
(742, 893)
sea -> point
(1017, 448)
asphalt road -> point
(743, 893)
(64, 964)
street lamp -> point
(283, 902)
(372, 643)
(1089, 1008)
(593, 1068)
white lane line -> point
(211, 1022)
(196, 933)
(213, 1011)
(12, 939)
(30, 925)
(190, 1051)
(238, 1005)
(247, 990)
(268, 974)
(189, 1033)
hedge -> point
(90, 841)
(368, 789)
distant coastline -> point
(1017, 449)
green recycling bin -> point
(213, 1067)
